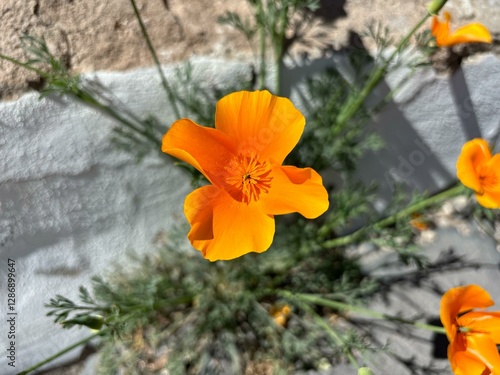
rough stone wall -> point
(95, 35)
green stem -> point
(173, 302)
(357, 235)
(89, 99)
(88, 308)
(262, 37)
(164, 82)
(62, 352)
(25, 65)
(334, 335)
(318, 300)
(374, 79)
(279, 40)
(156, 306)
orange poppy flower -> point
(473, 335)
(242, 157)
(471, 33)
(480, 171)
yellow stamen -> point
(489, 179)
(248, 178)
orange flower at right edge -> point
(480, 171)
(471, 33)
(473, 335)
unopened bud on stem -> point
(434, 7)
(94, 322)
(365, 371)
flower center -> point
(247, 178)
(489, 179)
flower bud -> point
(365, 371)
(94, 322)
(434, 7)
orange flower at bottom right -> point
(473, 335)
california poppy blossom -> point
(480, 171)
(471, 33)
(473, 335)
(242, 157)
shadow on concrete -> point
(406, 159)
(330, 11)
(304, 27)
(464, 105)
(439, 341)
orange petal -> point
(460, 299)
(471, 33)
(484, 349)
(295, 190)
(488, 199)
(474, 154)
(441, 30)
(487, 322)
(198, 208)
(260, 122)
(236, 228)
(490, 171)
(457, 345)
(464, 363)
(204, 148)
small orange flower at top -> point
(242, 157)
(473, 335)
(480, 171)
(471, 33)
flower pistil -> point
(489, 179)
(247, 178)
